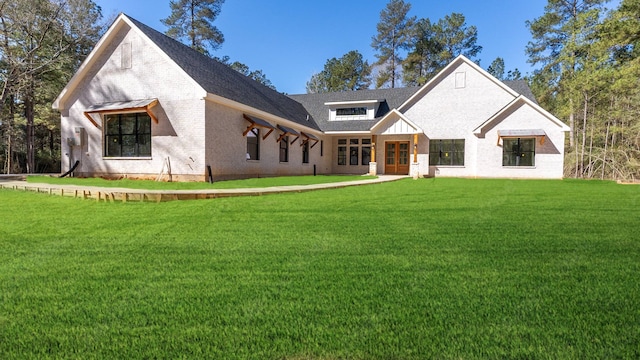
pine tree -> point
(435, 45)
(497, 68)
(41, 44)
(349, 72)
(555, 46)
(192, 20)
(395, 30)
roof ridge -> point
(220, 79)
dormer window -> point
(353, 110)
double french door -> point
(396, 158)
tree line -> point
(585, 58)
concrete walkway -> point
(16, 182)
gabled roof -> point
(221, 83)
(315, 105)
(512, 106)
(444, 72)
(219, 79)
(397, 124)
(213, 76)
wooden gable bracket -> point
(307, 138)
(287, 131)
(255, 123)
(124, 107)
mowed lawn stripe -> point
(433, 268)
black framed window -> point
(351, 111)
(353, 151)
(366, 151)
(253, 144)
(446, 152)
(284, 149)
(342, 152)
(305, 153)
(127, 135)
(519, 152)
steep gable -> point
(219, 79)
(447, 73)
(211, 75)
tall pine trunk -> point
(584, 133)
(12, 110)
(30, 136)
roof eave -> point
(478, 131)
(258, 113)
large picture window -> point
(284, 149)
(253, 144)
(518, 151)
(357, 153)
(446, 152)
(127, 135)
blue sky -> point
(290, 40)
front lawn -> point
(413, 269)
(229, 184)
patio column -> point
(415, 166)
(415, 148)
(373, 165)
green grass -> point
(230, 184)
(433, 268)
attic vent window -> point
(461, 80)
(125, 56)
(351, 111)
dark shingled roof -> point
(304, 109)
(219, 79)
(315, 105)
(522, 88)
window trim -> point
(351, 151)
(119, 135)
(283, 145)
(512, 152)
(256, 133)
(305, 152)
(452, 149)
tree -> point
(497, 68)
(456, 38)
(435, 45)
(555, 45)
(350, 72)
(243, 69)
(192, 20)
(394, 34)
(422, 62)
(41, 42)
(514, 74)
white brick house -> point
(143, 104)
